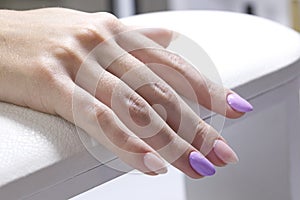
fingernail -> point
(225, 153)
(154, 163)
(201, 165)
(238, 103)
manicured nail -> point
(225, 153)
(154, 163)
(238, 103)
(201, 165)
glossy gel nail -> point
(225, 153)
(201, 165)
(154, 163)
(238, 103)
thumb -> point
(161, 36)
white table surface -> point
(45, 151)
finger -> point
(157, 92)
(161, 36)
(100, 122)
(140, 118)
(209, 94)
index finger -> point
(212, 96)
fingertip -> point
(151, 173)
(201, 164)
(212, 157)
(225, 152)
(233, 114)
(154, 163)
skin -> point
(41, 56)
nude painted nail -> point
(154, 163)
(238, 103)
(201, 165)
(224, 152)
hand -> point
(44, 66)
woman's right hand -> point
(129, 107)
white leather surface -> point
(243, 48)
(31, 140)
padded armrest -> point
(32, 140)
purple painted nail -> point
(238, 103)
(201, 165)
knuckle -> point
(60, 51)
(111, 22)
(139, 110)
(64, 55)
(103, 115)
(164, 95)
(88, 33)
(64, 51)
(202, 130)
(177, 62)
(123, 141)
